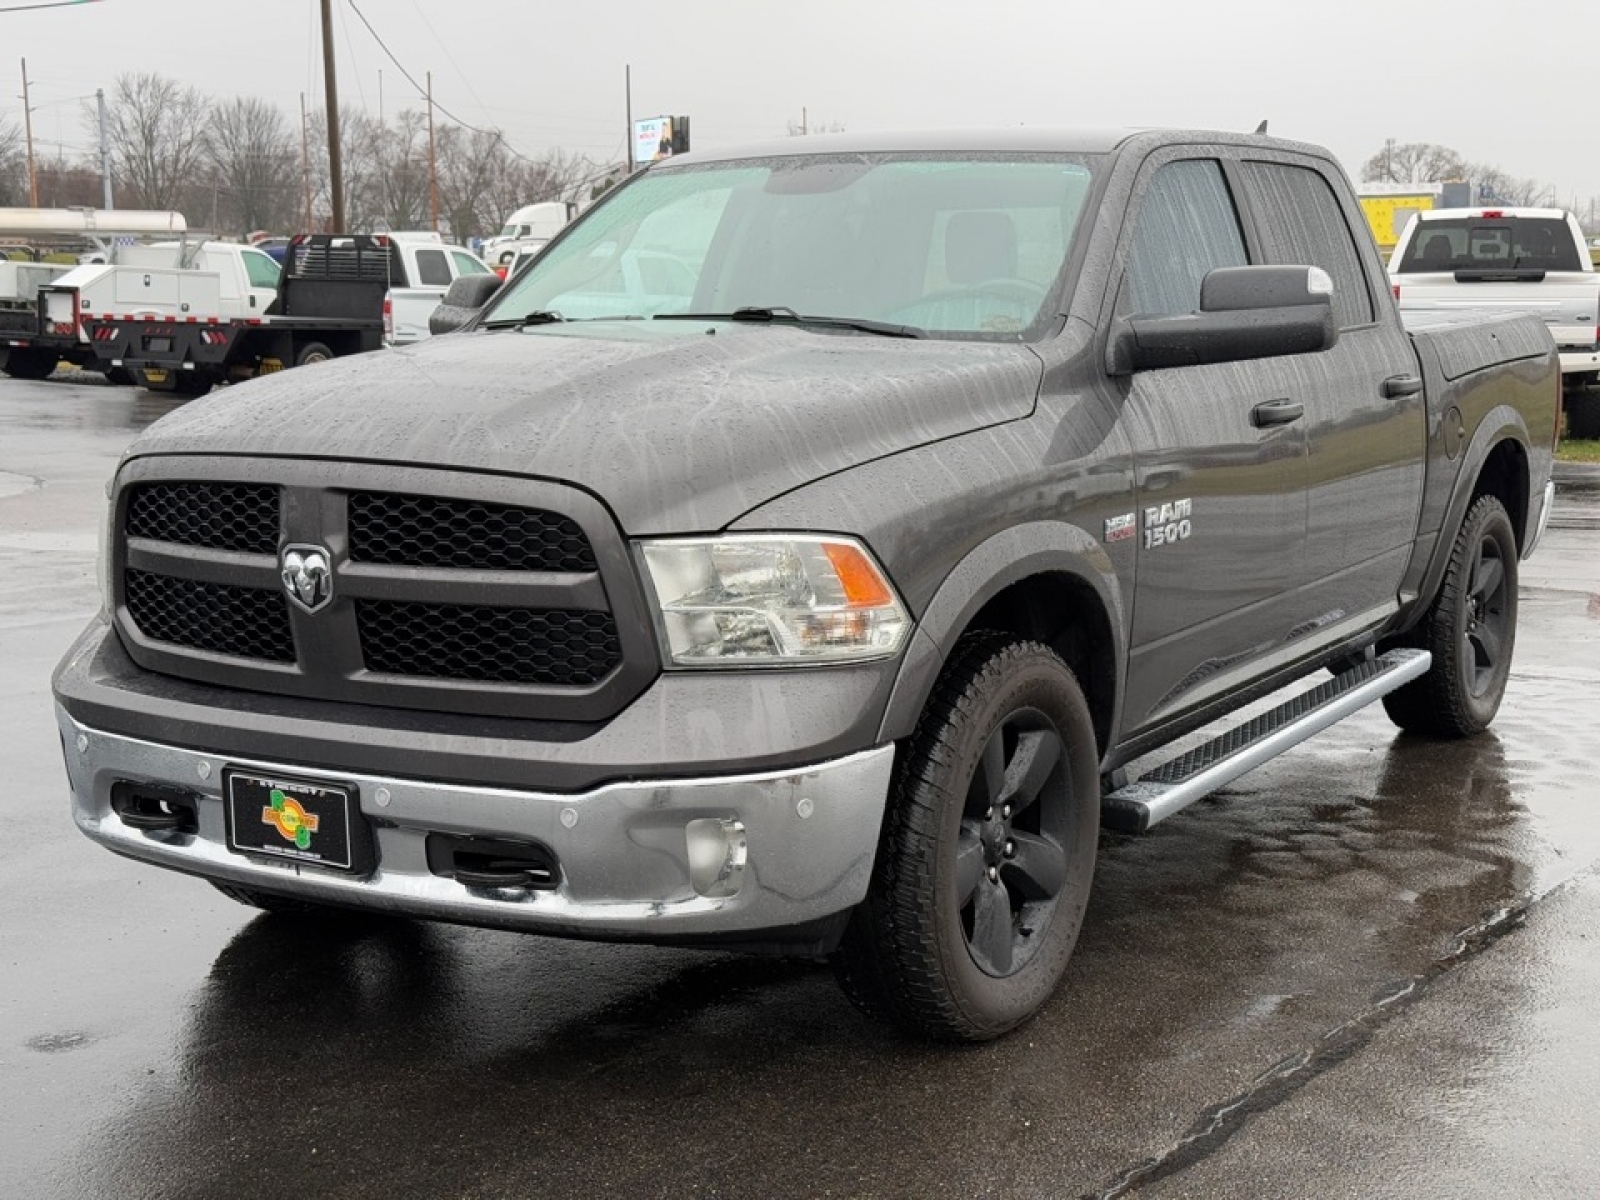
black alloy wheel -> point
(1470, 630)
(987, 852)
(1010, 863)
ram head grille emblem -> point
(307, 576)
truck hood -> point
(678, 426)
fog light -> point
(717, 853)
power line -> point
(51, 4)
(499, 135)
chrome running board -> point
(1177, 784)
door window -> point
(1187, 226)
(261, 270)
(1301, 222)
(466, 264)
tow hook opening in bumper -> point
(156, 809)
(493, 863)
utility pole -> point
(305, 162)
(105, 148)
(433, 162)
(627, 142)
(331, 86)
(380, 96)
(27, 121)
(804, 128)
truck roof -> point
(1020, 139)
(1491, 211)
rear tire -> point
(29, 364)
(1583, 415)
(312, 352)
(987, 852)
(120, 377)
(1470, 631)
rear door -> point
(1363, 398)
(1220, 479)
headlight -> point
(764, 599)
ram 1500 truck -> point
(817, 593)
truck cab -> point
(421, 269)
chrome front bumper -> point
(663, 859)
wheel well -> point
(1065, 614)
(1505, 477)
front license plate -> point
(310, 823)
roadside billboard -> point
(659, 137)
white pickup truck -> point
(1527, 260)
(421, 270)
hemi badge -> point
(1121, 529)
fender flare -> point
(1499, 424)
(1010, 556)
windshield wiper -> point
(783, 315)
(539, 316)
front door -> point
(1220, 477)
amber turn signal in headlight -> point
(770, 599)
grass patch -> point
(1576, 450)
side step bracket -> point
(1189, 777)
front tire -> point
(987, 852)
(1470, 631)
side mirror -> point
(1245, 313)
(461, 302)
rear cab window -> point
(433, 269)
(1491, 243)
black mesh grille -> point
(502, 645)
(243, 622)
(217, 516)
(429, 531)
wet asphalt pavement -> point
(1370, 968)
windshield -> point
(968, 246)
(1491, 244)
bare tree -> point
(13, 165)
(253, 163)
(1491, 185)
(402, 200)
(67, 184)
(1413, 162)
(469, 163)
(157, 128)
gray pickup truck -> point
(805, 553)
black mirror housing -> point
(1245, 313)
(461, 302)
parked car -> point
(805, 550)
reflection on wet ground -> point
(1236, 963)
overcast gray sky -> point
(1511, 85)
